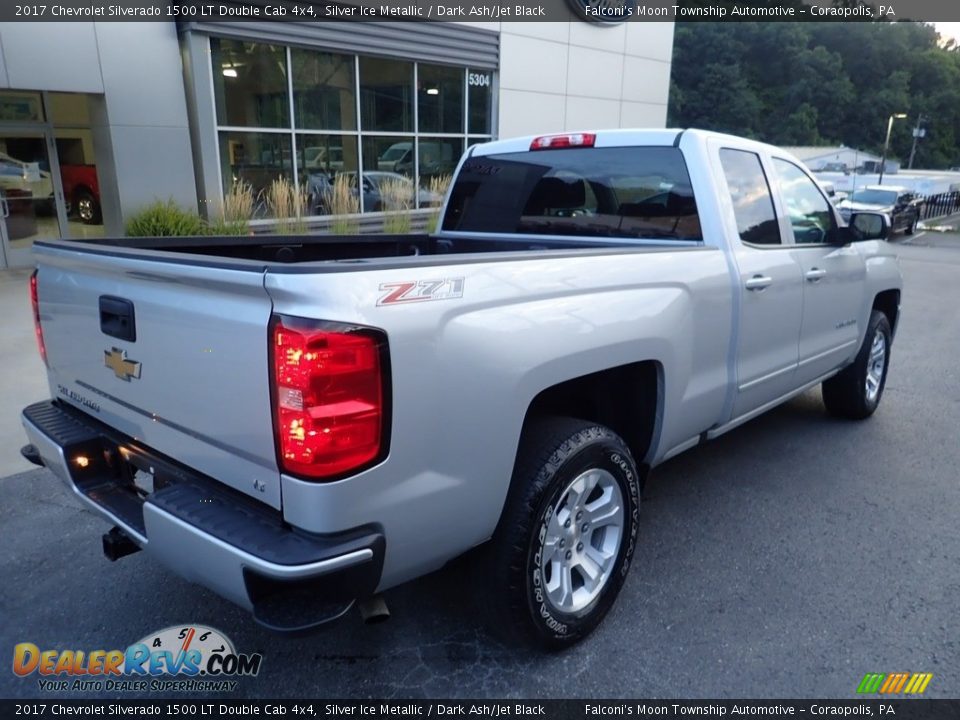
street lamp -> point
(886, 143)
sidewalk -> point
(23, 378)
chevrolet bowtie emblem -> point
(116, 360)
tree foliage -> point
(820, 83)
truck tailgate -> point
(190, 380)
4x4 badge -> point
(116, 360)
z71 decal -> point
(397, 293)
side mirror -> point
(869, 226)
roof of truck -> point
(620, 138)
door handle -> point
(814, 274)
(758, 282)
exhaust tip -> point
(31, 454)
(374, 610)
(117, 544)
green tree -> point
(813, 83)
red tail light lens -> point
(35, 302)
(329, 399)
(570, 140)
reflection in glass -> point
(440, 99)
(76, 151)
(250, 84)
(386, 89)
(480, 88)
(750, 193)
(323, 91)
(255, 158)
(438, 160)
(26, 191)
(320, 158)
(20, 106)
(386, 160)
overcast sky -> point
(949, 29)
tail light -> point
(329, 397)
(35, 302)
(570, 140)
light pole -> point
(886, 143)
(918, 133)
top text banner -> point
(600, 12)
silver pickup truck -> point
(300, 423)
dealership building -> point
(99, 119)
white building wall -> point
(579, 75)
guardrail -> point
(938, 205)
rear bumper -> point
(291, 580)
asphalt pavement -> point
(785, 559)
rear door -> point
(770, 286)
(169, 351)
(834, 277)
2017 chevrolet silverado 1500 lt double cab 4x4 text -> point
(300, 423)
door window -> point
(809, 211)
(750, 193)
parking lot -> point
(785, 559)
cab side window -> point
(809, 211)
(750, 193)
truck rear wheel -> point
(565, 541)
(856, 390)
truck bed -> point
(319, 248)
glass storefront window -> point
(480, 89)
(338, 108)
(439, 99)
(387, 169)
(386, 95)
(438, 160)
(320, 159)
(250, 84)
(256, 158)
(323, 91)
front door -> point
(770, 287)
(31, 205)
(833, 276)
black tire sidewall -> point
(877, 322)
(603, 452)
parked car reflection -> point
(320, 187)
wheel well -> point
(623, 398)
(80, 189)
(888, 302)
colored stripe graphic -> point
(870, 683)
(894, 683)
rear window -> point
(629, 192)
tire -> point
(88, 209)
(535, 553)
(855, 391)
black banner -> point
(901, 709)
(599, 11)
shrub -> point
(439, 185)
(288, 204)
(164, 218)
(342, 203)
(397, 197)
(235, 212)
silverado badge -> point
(116, 360)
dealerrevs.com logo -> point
(181, 658)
